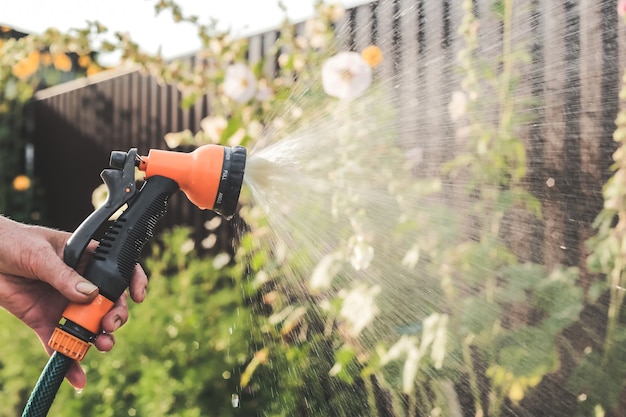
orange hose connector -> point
(68, 345)
(88, 317)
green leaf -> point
(188, 100)
(518, 279)
(528, 352)
(234, 124)
(478, 315)
(560, 297)
(497, 7)
(596, 290)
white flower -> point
(334, 11)
(213, 224)
(283, 60)
(412, 257)
(325, 271)
(175, 139)
(318, 41)
(221, 260)
(99, 197)
(213, 127)
(315, 30)
(361, 254)
(458, 105)
(346, 75)
(209, 241)
(298, 62)
(187, 246)
(359, 307)
(239, 83)
(264, 91)
(254, 129)
(237, 137)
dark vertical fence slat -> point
(135, 109)
(145, 128)
(571, 192)
(456, 45)
(155, 129)
(269, 68)
(127, 111)
(107, 97)
(406, 84)
(343, 33)
(553, 19)
(433, 65)
(385, 30)
(521, 225)
(116, 85)
(618, 30)
(363, 27)
(254, 49)
(593, 138)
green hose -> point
(47, 386)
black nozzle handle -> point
(113, 262)
(120, 182)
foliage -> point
(460, 330)
(352, 304)
(183, 351)
(607, 258)
(28, 63)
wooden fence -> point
(577, 53)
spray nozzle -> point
(211, 176)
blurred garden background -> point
(446, 237)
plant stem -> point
(469, 363)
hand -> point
(36, 286)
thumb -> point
(76, 376)
(51, 269)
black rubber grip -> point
(113, 262)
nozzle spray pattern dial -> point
(231, 180)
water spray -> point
(211, 177)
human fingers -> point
(138, 284)
(44, 264)
(35, 252)
(104, 342)
(138, 281)
(117, 316)
(112, 321)
(76, 376)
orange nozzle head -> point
(211, 176)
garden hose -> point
(47, 386)
(211, 177)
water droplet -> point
(234, 399)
